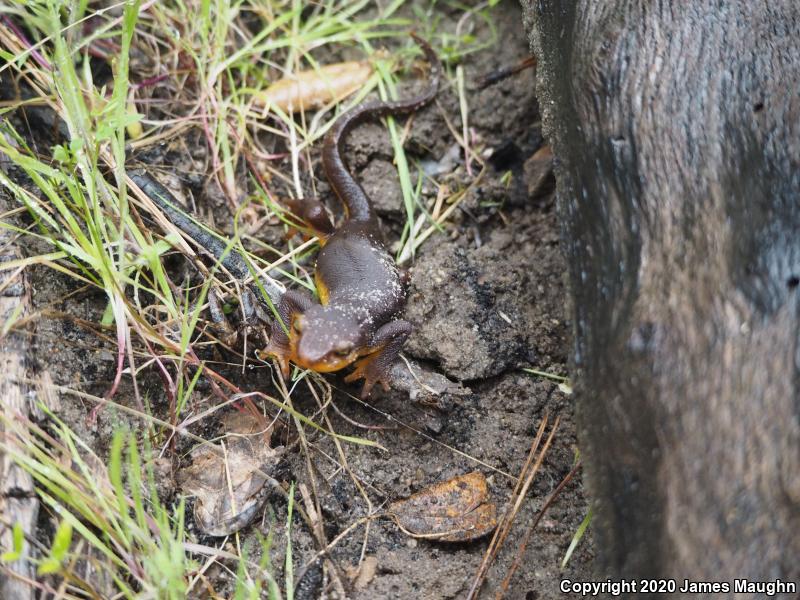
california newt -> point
(361, 291)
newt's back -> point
(354, 268)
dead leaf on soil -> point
(228, 479)
(305, 90)
(456, 510)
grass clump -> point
(113, 83)
(111, 523)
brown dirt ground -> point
(486, 298)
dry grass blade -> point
(523, 546)
(524, 482)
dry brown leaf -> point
(228, 480)
(307, 90)
(456, 510)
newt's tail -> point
(344, 185)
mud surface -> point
(487, 296)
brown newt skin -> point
(360, 289)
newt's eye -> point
(298, 323)
(343, 350)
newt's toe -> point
(279, 354)
(370, 370)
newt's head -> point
(325, 338)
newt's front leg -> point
(292, 303)
(312, 213)
(376, 366)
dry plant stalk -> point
(18, 501)
(523, 546)
(528, 472)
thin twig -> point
(514, 505)
(522, 547)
